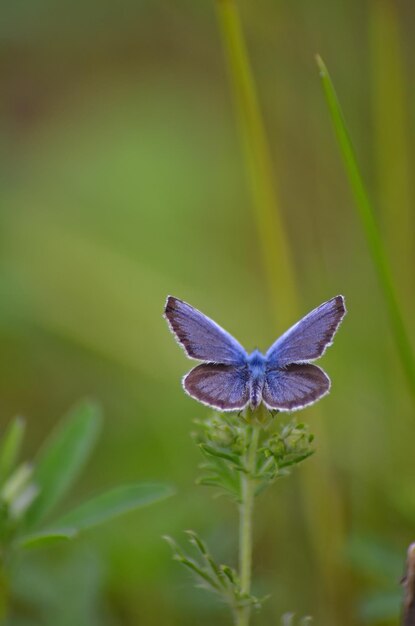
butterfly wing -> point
(200, 336)
(223, 387)
(308, 339)
(294, 387)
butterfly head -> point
(256, 362)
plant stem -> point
(245, 522)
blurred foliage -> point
(122, 181)
(29, 492)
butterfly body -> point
(230, 379)
(256, 366)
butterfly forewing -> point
(223, 387)
(294, 386)
(308, 339)
(200, 336)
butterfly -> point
(230, 379)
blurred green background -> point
(122, 180)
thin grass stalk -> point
(390, 116)
(370, 229)
(274, 245)
(325, 532)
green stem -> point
(245, 522)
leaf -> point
(113, 503)
(45, 537)
(62, 458)
(22, 501)
(18, 481)
(370, 227)
(10, 447)
(222, 454)
(194, 566)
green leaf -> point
(196, 568)
(46, 537)
(222, 454)
(113, 503)
(17, 482)
(370, 227)
(62, 458)
(197, 541)
(10, 447)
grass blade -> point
(62, 458)
(114, 503)
(274, 244)
(370, 228)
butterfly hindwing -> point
(294, 386)
(200, 336)
(308, 339)
(224, 387)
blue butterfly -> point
(230, 379)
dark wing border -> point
(169, 311)
(323, 344)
